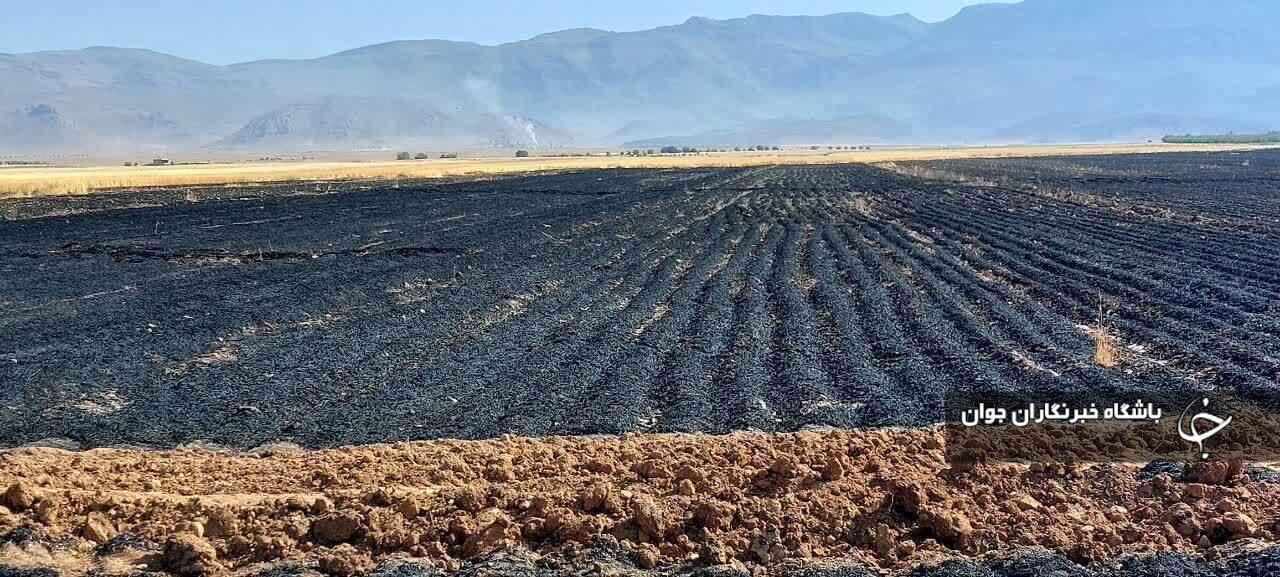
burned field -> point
(706, 300)
(794, 308)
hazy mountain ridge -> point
(368, 122)
(1041, 69)
(868, 129)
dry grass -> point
(1105, 353)
(42, 181)
(1104, 350)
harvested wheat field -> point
(43, 181)
(718, 370)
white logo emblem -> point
(1196, 436)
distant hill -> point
(1036, 70)
(865, 129)
(369, 122)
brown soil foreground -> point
(43, 181)
(882, 498)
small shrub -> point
(403, 156)
(421, 156)
(522, 154)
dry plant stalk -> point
(1105, 353)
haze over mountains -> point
(1041, 70)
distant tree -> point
(421, 156)
(448, 155)
(777, 148)
(403, 156)
(670, 149)
(522, 154)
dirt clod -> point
(98, 528)
(1239, 524)
(596, 498)
(338, 527)
(496, 531)
(787, 466)
(19, 497)
(187, 554)
(833, 470)
(649, 516)
(767, 546)
(1214, 472)
(343, 561)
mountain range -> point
(1038, 70)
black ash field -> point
(590, 302)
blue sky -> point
(226, 31)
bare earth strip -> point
(26, 182)
(883, 498)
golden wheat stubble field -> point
(41, 181)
